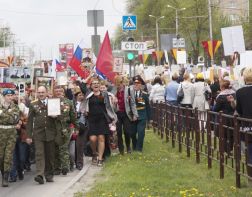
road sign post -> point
(178, 43)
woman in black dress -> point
(100, 114)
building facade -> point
(235, 10)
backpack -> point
(180, 95)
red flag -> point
(105, 60)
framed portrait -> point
(1, 75)
(15, 72)
(6, 75)
(45, 81)
(61, 78)
(118, 64)
(37, 72)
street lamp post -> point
(157, 34)
(176, 10)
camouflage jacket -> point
(41, 126)
(68, 114)
(9, 116)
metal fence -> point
(217, 136)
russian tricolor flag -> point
(59, 67)
(76, 61)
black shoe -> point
(65, 171)
(94, 160)
(39, 179)
(12, 179)
(21, 175)
(79, 167)
(28, 168)
(5, 181)
(57, 172)
(71, 168)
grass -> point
(162, 171)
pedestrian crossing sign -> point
(129, 22)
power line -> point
(48, 14)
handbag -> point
(180, 94)
(207, 94)
(82, 123)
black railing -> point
(217, 136)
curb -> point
(77, 177)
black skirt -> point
(96, 119)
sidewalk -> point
(29, 188)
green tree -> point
(247, 28)
(193, 22)
(5, 36)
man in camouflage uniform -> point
(43, 129)
(9, 118)
(67, 117)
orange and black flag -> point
(211, 47)
(4, 64)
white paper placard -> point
(181, 57)
(61, 78)
(149, 73)
(233, 40)
(175, 69)
(53, 107)
(118, 65)
(246, 58)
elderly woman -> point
(100, 114)
(126, 112)
(244, 109)
(200, 89)
(157, 91)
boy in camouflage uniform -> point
(67, 117)
(9, 118)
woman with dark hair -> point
(157, 91)
(223, 104)
(100, 114)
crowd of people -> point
(96, 114)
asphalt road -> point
(29, 188)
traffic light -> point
(130, 56)
(130, 39)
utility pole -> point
(210, 26)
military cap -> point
(138, 79)
(8, 91)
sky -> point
(44, 24)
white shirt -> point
(78, 105)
